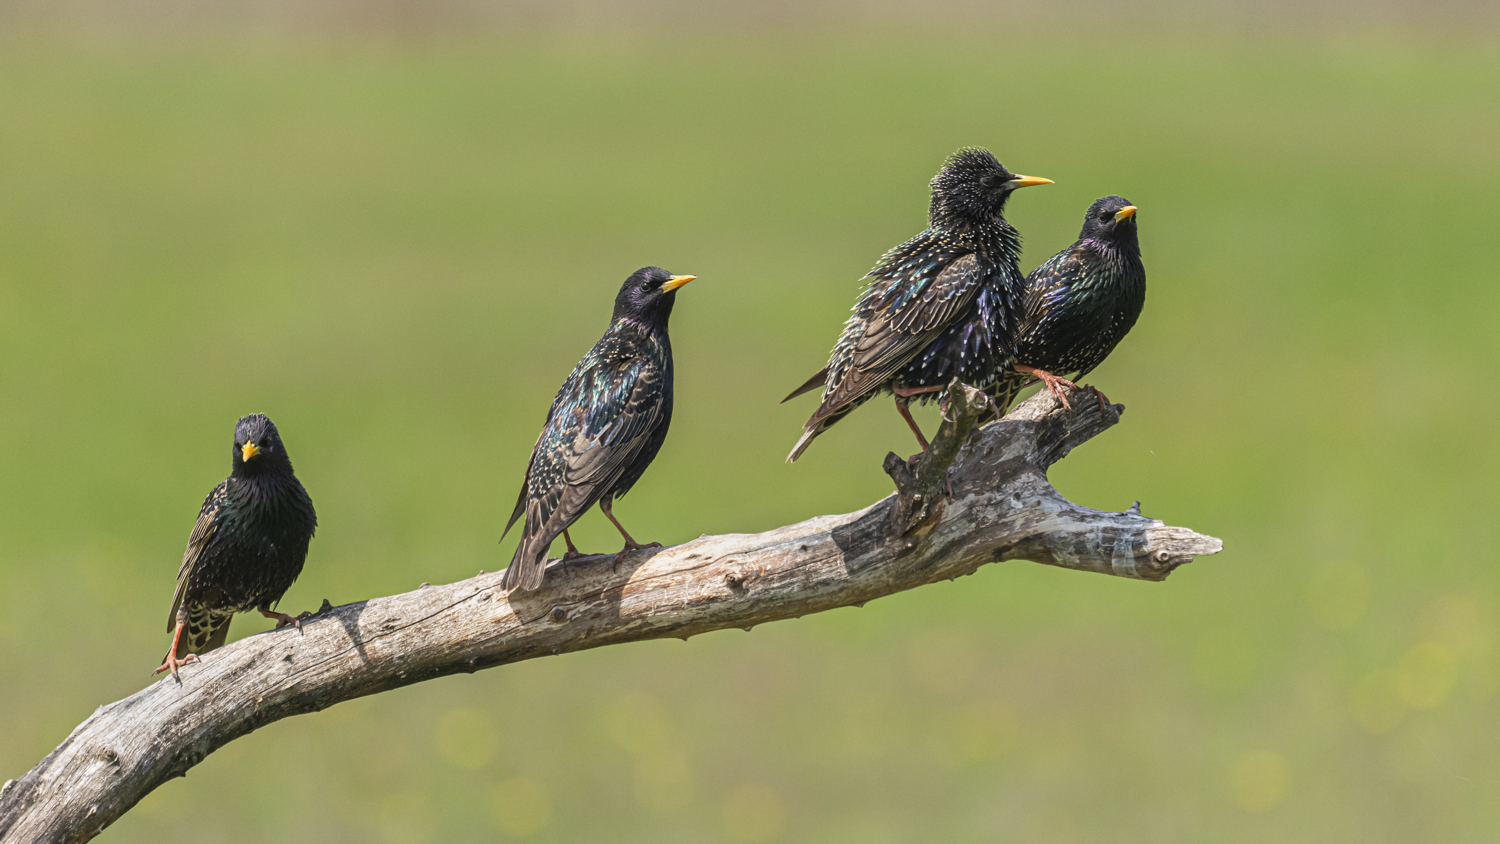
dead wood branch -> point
(1001, 508)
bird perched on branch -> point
(1079, 304)
(944, 304)
(604, 428)
(247, 548)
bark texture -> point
(1001, 507)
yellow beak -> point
(1027, 182)
(247, 451)
(1123, 213)
(675, 282)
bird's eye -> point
(988, 180)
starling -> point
(247, 547)
(944, 304)
(1079, 304)
(604, 428)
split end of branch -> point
(924, 488)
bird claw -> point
(283, 620)
(172, 663)
(943, 409)
(1104, 401)
(570, 556)
(1058, 387)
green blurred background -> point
(395, 231)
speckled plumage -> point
(1081, 302)
(941, 305)
(248, 545)
(605, 425)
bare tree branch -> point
(1001, 507)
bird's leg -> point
(172, 661)
(901, 402)
(1054, 383)
(573, 552)
(630, 543)
(902, 395)
(282, 619)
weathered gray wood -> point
(923, 492)
(1002, 508)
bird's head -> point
(647, 296)
(257, 446)
(1111, 219)
(973, 186)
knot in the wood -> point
(559, 614)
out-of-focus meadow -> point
(397, 248)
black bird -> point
(1079, 304)
(247, 547)
(604, 428)
(944, 304)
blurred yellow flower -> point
(1258, 780)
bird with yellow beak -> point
(604, 428)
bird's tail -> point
(1005, 390)
(527, 566)
(822, 419)
(205, 630)
(807, 437)
(813, 383)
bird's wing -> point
(203, 532)
(526, 481)
(606, 414)
(626, 409)
(1047, 288)
(819, 379)
(895, 320)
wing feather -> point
(203, 533)
(603, 417)
(897, 319)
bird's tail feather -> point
(205, 631)
(822, 419)
(812, 383)
(219, 636)
(802, 444)
(527, 566)
(1005, 390)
